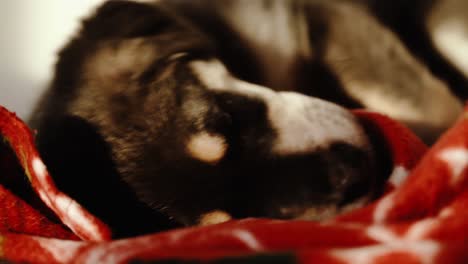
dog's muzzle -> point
(289, 155)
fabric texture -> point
(421, 218)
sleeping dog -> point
(185, 112)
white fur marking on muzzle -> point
(302, 123)
(305, 124)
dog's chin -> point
(319, 213)
(325, 210)
(322, 212)
(318, 208)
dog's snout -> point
(287, 152)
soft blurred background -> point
(31, 31)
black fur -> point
(115, 140)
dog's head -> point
(190, 138)
(152, 118)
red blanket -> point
(420, 219)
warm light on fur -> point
(207, 147)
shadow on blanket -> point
(109, 198)
(421, 218)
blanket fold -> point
(421, 217)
